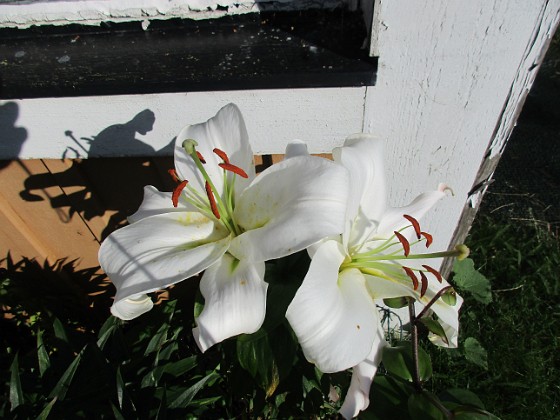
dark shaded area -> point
(314, 48)
(11, 137)
(526, 187)
(108, 184)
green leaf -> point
(63, 384)
(59, 330)
(108, 328)
(42, 354)
(16, 393)
(184, 399)
(399, 362)
(423, 406)
(475, 353)
(391, 396)
(117, 413)
(267, 356)
(397, 302)
(47, 410)
(466, 413)
(467, 278)
(174, 368)
(461, 396)
(435, 328)
(120, 387)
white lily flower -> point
(334, 313)
(226, 221)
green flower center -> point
(384, 257)
(216, 205)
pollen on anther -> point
(235, 169)
(424, 287)
(429, 238)
(432, 270)
(177, 192)
(404, 242)
(414, 223)
(221, 154)
(200, 157)
(212, 200)
(173, 174)
(410, 273)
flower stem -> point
(413, 324)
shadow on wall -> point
(107, 184)
(11, 137)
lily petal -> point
(393, 219)
(382, 288)
(132, 307)
(333, 315)
(362, 155)
(157, 202)
(296, 148)
(357, 398)
(225, 131)
(280, 218)
(235, 301)
(160, 250)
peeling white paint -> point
(93, 12)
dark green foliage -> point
(518, 378)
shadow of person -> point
(120, 139)
(113, 185)
(11, 137)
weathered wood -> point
(39, 222)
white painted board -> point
(40, 128)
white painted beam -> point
(40, 128)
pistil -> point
(212, 205)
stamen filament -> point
(174, 175)
(404, 242)
(410, 273)
(212, 200)
(220, 208)
(177, 192)
(235, 169)
(455, 253)
(221, 154)
(432, 270)
(424, 287)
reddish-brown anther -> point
(404, 243)
(173, 174)
(424, 287)
(414, 223)
(221, 154)
(212, 200)
(200, 157)
(429, 238)
(432, 270)
(177, 192)
(235, 169)
(410, 273)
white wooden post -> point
(452, 79)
